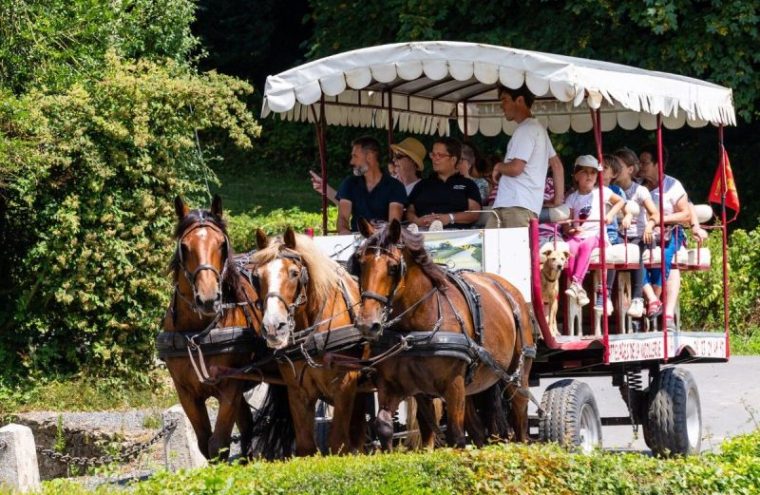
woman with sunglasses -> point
(445, 196)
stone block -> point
(18, 459)
(181, 446)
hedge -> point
(533, 469)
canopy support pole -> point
(663, 281)
(724, 232)
(390, 118)
(319, 122)
(466, 129)
(596, 119)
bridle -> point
(303, 283)
(397, 272)
(192, 276)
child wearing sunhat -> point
(582, 235)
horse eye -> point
(294, 273)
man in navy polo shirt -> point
(446, 195)
(369, 193)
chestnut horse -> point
(404, 291)
(305, 295)
(212, 298)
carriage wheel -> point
(674, 418)
(571, 416)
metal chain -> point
(127, 455)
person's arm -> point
(316, 183)
(617, 205)
(696, 229)
(512, 168)
(395, 211)
(344, 216)
(558, 174)
(411, 216)
(681, 213)
(653, 219)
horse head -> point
(379, 263)
(283, 280)
(201, 257)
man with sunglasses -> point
(368, 193)
(522, 176)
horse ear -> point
(365, 228)
(290, 238)
(216, 206)
(262, 241)
(394, 231)
(180, 207)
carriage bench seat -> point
(619, 257)
(694, 259)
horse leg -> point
(473, 423)
(358, 426)
(427, 421)
(302, 407)
(384, 422)
(519, 397)
(343, 402)
(245, 426)
(230, 399)
(195, 409)
(455, 401)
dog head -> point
(553, 259)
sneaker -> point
(654, 308)
(598, 305)
(636, 310)
(572, 291)
(582, 296)
(670, 323)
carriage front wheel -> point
(571, 417)
(673, 425)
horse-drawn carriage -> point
(493, 284)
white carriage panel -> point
(338, 247)
(701, 344)
(636, 347)
(506, 252)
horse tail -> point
(273, 432)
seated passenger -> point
(445, 195)
(640, 231)
(582, 235)
(467, 166)
(409, 161)
(554, 195)
(368, 193)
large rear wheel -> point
(674, 418)
(571, 417)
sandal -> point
(654, 308)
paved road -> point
(730, 395)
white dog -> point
(553, 260)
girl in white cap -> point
(582, 235)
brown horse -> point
(309, 298)
(211, 298)
(398, 280)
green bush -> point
(88, 209)
(242, 227)
(702, 292)
(529, 469)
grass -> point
(86, 394)
(262, 192)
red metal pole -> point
(597, 121)
(724, 231)
(319, 122)
(664, 291)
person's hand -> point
(648, 237)
(316, 181)
(496, 175)
(608, 219)
(700, 233)
(626, 222)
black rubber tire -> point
(571, 416)
(674, 417)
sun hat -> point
(588, 161)
(413, 149)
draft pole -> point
(664, 291)
(596, 119)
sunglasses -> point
(399, 156)
(440, 155)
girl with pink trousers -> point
(582, 235)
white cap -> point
(588, 161)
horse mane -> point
(231, 285)
(414, 245)
(324, 272)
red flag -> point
(718, 188)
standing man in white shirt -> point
(522, 175)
